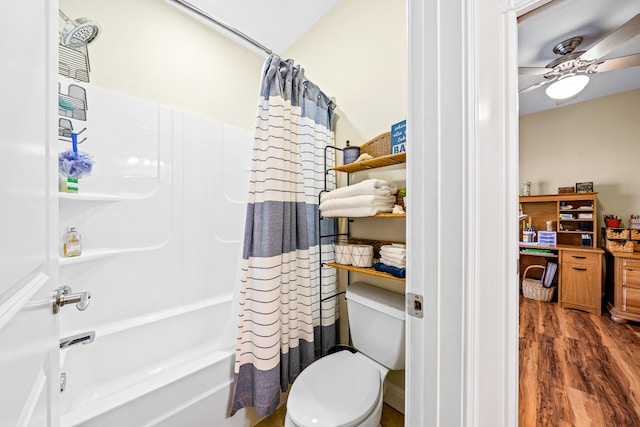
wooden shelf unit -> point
(365, 270)
(377, 162)
(541, 209)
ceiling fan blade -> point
(535, 86)
(534, 71)
(625, 32)
(618, 63)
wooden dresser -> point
(623, 285)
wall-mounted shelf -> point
(365, 270)
(94, 254)
(377, 162)
(99, 197)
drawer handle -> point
(579, 269)
(578, 256)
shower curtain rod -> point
(227, 27)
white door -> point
(28, 215)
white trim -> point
(18, 300)
(462, 357)
(394, 396)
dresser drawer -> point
(630, 277)
(630, 300)
(580, 257)
(631, 263)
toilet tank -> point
(376, 323)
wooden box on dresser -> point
(623, 285)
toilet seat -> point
(339, 390)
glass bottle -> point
(72, 242)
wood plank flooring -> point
(576, 368)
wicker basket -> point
(533, 289)
(617, 233)
(378, 146)
(620, 246)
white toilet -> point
(345, 389)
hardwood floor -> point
(576, 368)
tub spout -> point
(83, 338)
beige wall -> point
(358, 54)
(596, 140)
(152, 50)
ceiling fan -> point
(568, 74)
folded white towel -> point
(358, 201)
(368, 186)
(390, 249)
(393, 262)
(356, 212)
(395, 257)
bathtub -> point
(131, 376)
(162, 220)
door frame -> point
(462, 356)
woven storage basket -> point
(533, 289)
(620, 245)
(378, 146)
(617, 233)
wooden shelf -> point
(370, 271)
(388, 215)
(377, 162)
(380, 215)
(548, 208)
(540, 254)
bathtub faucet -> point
(63, 296)
(83, 338)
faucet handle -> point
(85, 299)
(63, 296)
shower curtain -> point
(279, 321)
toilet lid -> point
(337, 390)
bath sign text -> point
(399, 137)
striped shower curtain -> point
(279, 320)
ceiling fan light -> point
(567, 87)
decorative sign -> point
(399, 137)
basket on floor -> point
(533, 289)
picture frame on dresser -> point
(584, 187)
